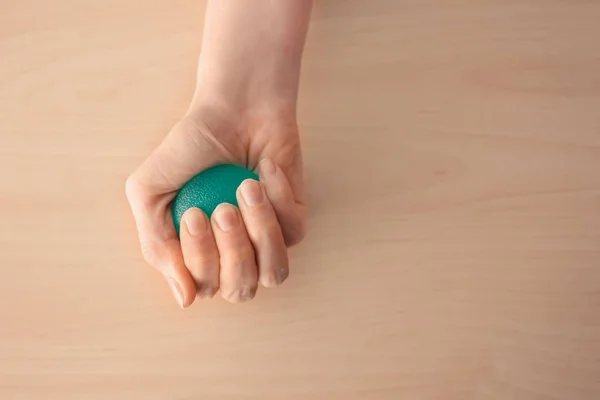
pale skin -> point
(243, 112)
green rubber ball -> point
(210, 188)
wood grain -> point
(453, 165)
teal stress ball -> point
(210, 188)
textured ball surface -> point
(210, 188)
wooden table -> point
(453, 166)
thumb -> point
(158, 239)
(291, 211)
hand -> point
(243, 112)
(236, 249)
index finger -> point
(158, 240)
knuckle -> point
(268, 232)
(149, 252)
(240, 259)
(206, 247)
(130, 187)
(199, 250)
(201, 261)
(134, 190)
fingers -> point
(187, 150)
(200, 252)
(290, 213)
(238, 276)
(158, 240)
(228, 258)
(264, 232)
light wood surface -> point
(453, 165)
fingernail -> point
(176, 291)
(196, 222)
(226, 217)
(281, 275)
(267, 167)
(251, 192)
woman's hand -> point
(242, 113)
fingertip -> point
(274, 277)
(189, 295)
(267, 167)
(225, 217)
(195, 221)
(238, 273)
(296, 227)
(275, 182)
(200, 254)
(182, 292)
(290, 213)
(240, 295)
(250, 193)
(177, 276)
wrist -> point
(259, 86)
(252, 50)
(269, 75)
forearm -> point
(252, 50)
